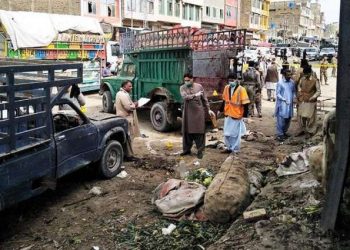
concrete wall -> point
(69, 7)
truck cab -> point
(45, 136)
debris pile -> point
(228, 193)
(179, 199)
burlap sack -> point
(227, 193)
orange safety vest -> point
(234, 107)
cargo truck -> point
(156, 61)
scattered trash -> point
(187, 235)
(95, 248)
(256, 180)
(201, 176)
(311, 201)
(221, 146)
(312, 209)
(257, 214)
(96, 191)
(168, 230)
(177, 153)
(181, 170)
(309, 184)
(196, 163)
(215, 130)
(295, 163)
(213, 138)
(248, 120)
(27, 248)
(254, 136)
(213, 144)
(169, 145)
(123, 174)
(144, 136)
(55, 243)
(179, 199)
(315, 158)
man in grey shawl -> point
(196, 106)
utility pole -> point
(340, 162)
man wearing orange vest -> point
(235, 107)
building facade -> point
(106, 11)
(332, 30)
(68, 7)
(318, 19)
(254, 17)
(296, 18)
(232, 13)
(161, 14)
(213, 14)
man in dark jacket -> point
(196, 106)
(271, 80)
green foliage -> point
(187, 235)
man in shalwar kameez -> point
(235, 107)
(196, 106)
(285, 93)
(308, 91)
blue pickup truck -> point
(41, 142)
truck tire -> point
(107, 102)
(159, 117)
(111, 160)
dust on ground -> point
(124, 218)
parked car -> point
(328, 52)
(312, 53)
(45, 137)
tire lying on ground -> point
(228, 193)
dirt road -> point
(123, 216)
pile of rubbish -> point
(297, 163)
(179, 199)
(202, 197)
(254, 136)
(202, 176)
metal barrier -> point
(181, 38)
(26, 100)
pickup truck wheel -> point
(158, 117)
(112, 159)
(107, 102)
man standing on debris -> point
(271, 80)
(196, 106)
(251, 81)
(126, 108)
(308, 91)
(235, 107)
(323, 70)
(285, 93)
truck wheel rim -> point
(158, 118)
(112, 160)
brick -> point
(254, 215)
